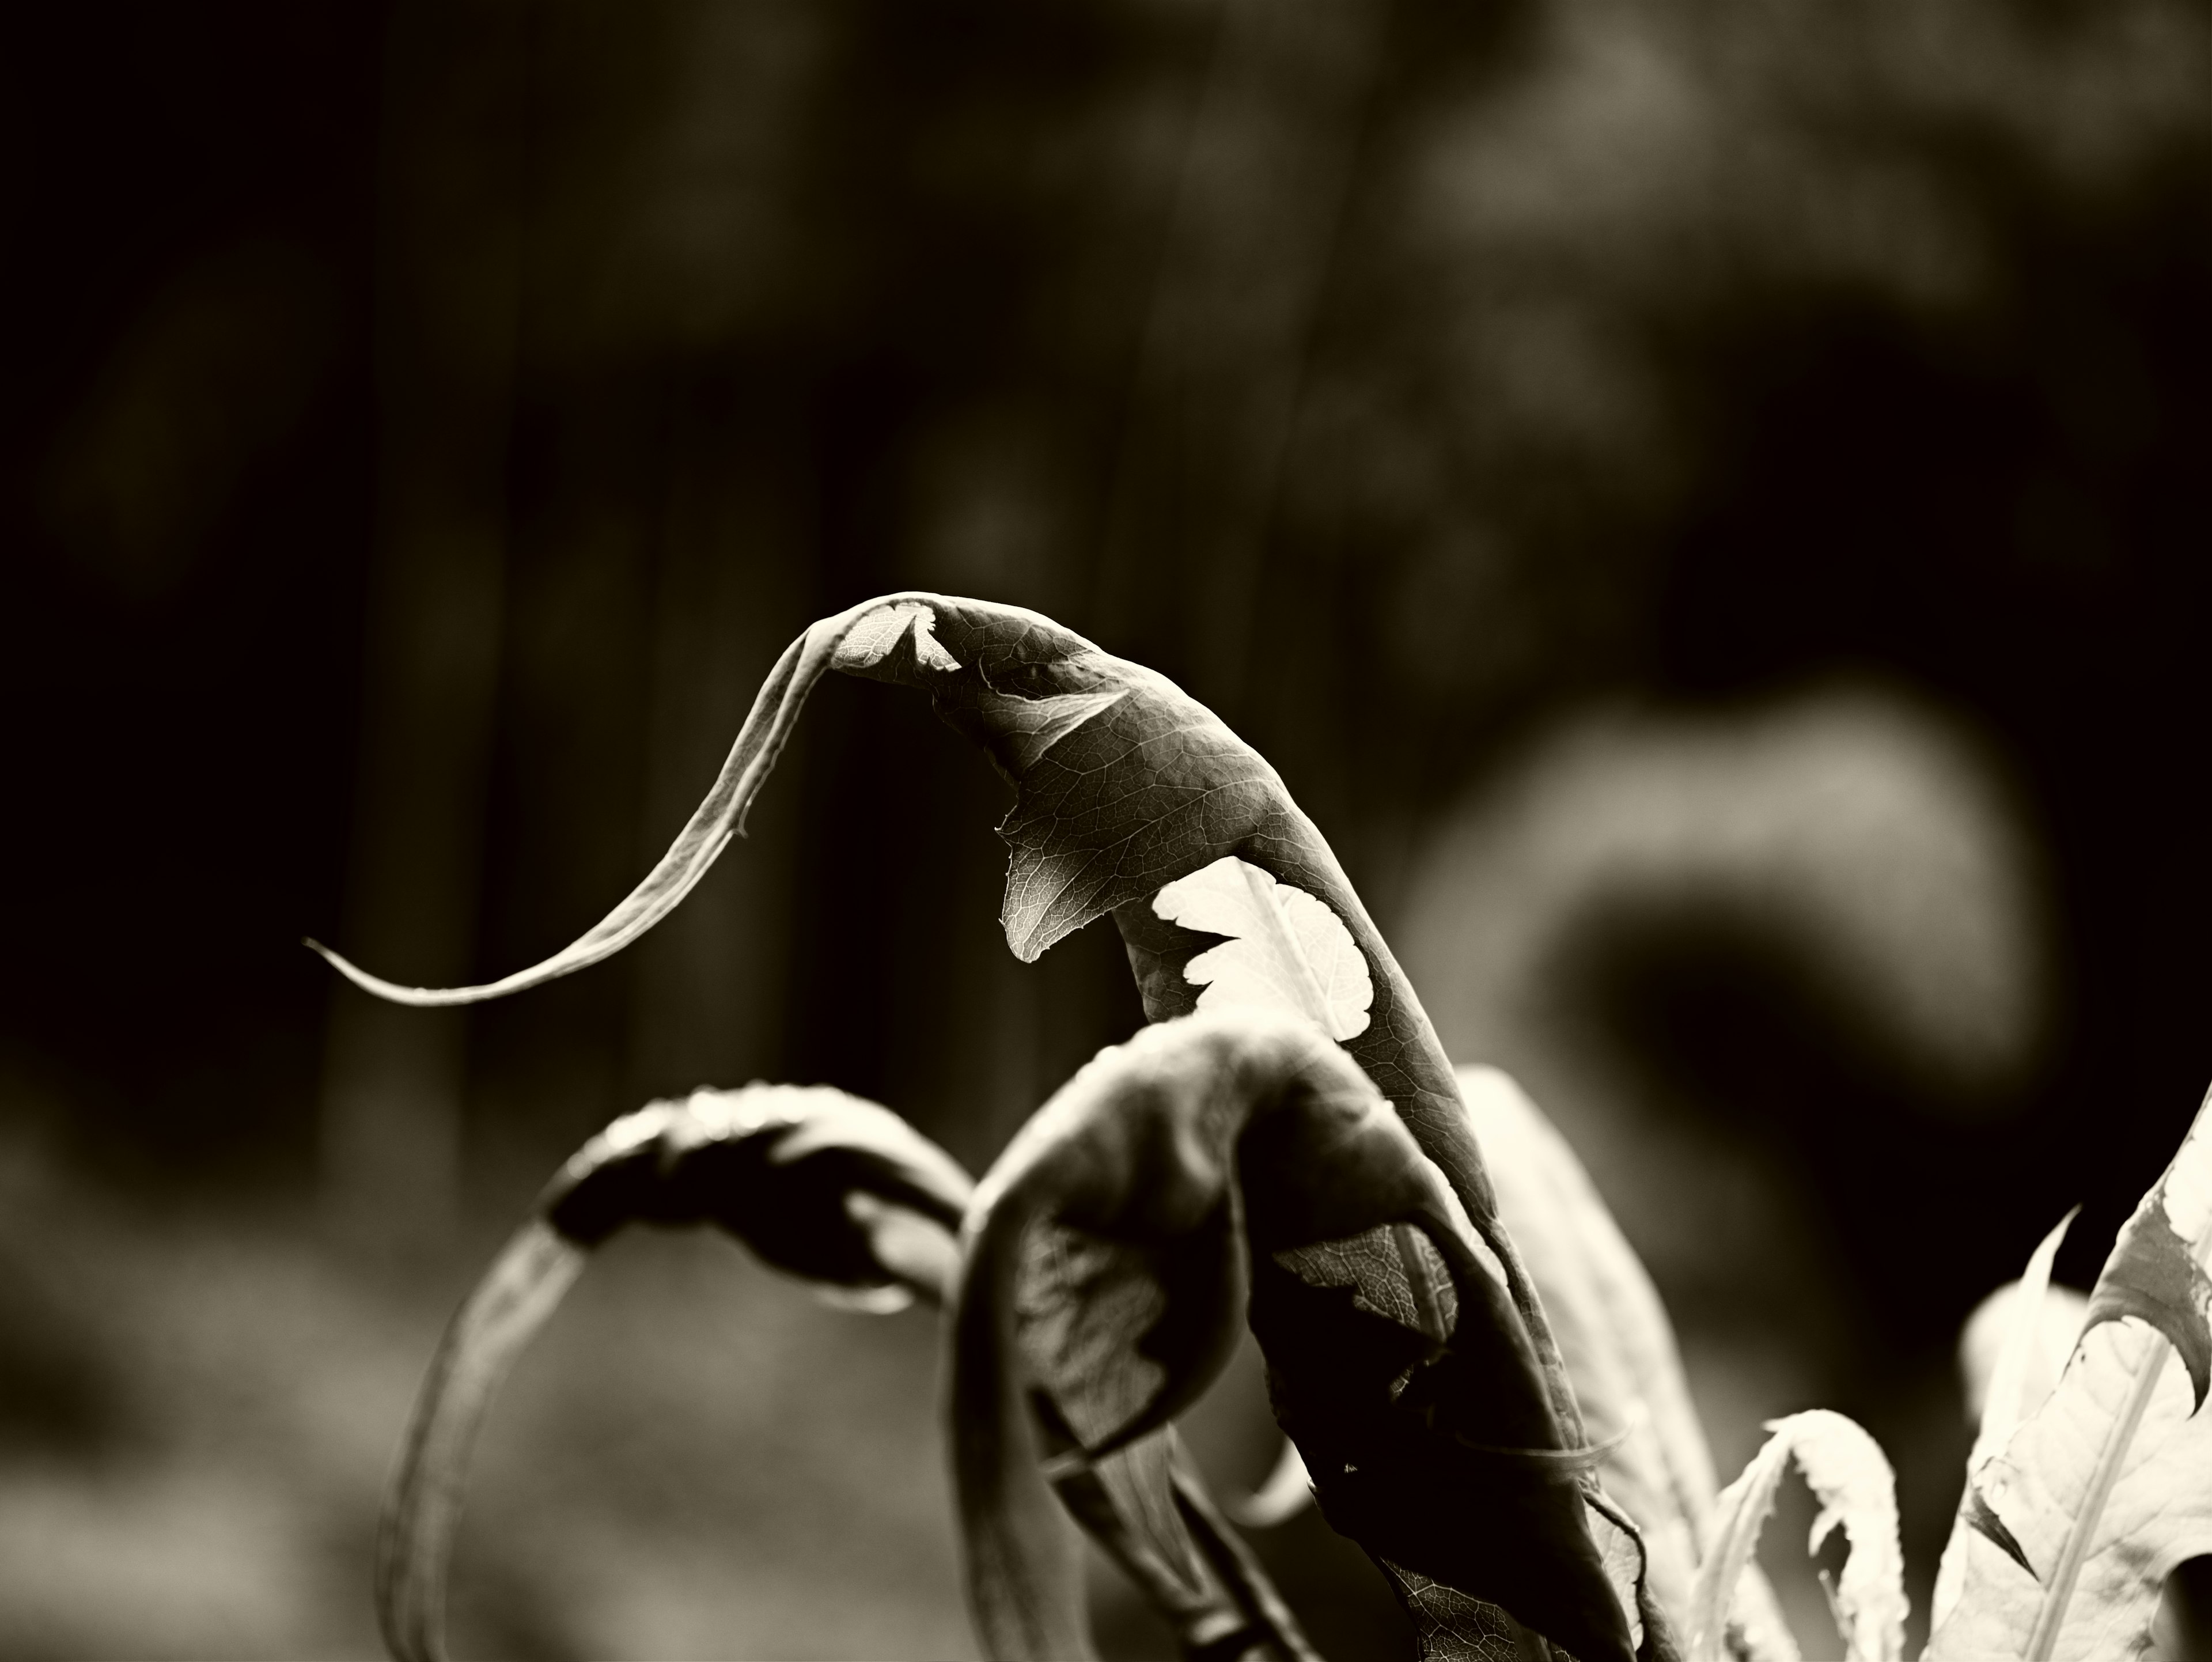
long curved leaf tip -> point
(2100, 1494)
(1856, 1489)
(713, 823)
(525, 1285)
(1123, 786)
(863, 640)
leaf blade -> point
(2108, 1485)
(2002, 1410)
(696, 1161)
(1852, 1481)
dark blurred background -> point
(1703, 501)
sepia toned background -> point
(1703, 501)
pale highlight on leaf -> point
(1287, 950)
(1856, 1490)
(1122, 784)
(870, 641)
(1285, 1491)
(2107, 1487)
(2004, 1404)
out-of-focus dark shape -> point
(205, 388)
(450, 233)
(1858, 842)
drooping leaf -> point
(1285, 949)
(813, 1180)
(1198, 1147)
(2005, 1402)
(1123, 785)
(1621, 1354)
(2107, 1486)
(837, 1191)
(1856, 1491)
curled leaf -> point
(1202, 1148)
(2107, 1486)
(1856, 1490)
(823, 1185)
(830, 1187)
(1123, 785)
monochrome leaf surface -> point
(1852, 1481)
(1123, 784)
(1199, 1150)
(2098, 1494)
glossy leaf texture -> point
(1858, 1492)
(2070, 1533)
(1621, 1355)
(830, 1187)
(1109, 1249)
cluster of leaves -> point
(1287, 1144)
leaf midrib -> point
(2050, 1616)
(1269, 901)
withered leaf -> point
(1205, 1145)
(1123, 784)
(832, 1189)
(813, 1180)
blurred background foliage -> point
(1703, 501)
